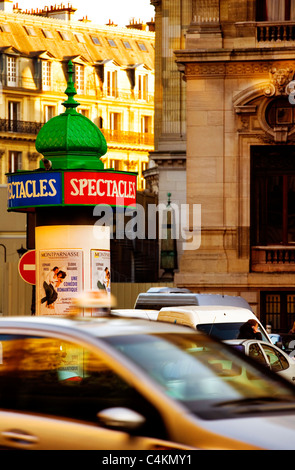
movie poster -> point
(100, 270)
(61, 279)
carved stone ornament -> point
(279, 79)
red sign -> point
(27, 267)
(87, 187)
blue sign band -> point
(34, 189)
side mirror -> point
(122, 419)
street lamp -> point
(21, 251)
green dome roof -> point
(71, 140)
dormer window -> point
(275, 10)
(80, 37)
(127, 44)
(11, 71)
(47, 34)
(112, 43)
(64, 36)
(79, 78)
(30, 31)
(142, 46)
(46, 75)
(5, 28)
(95, 40)
(112, 83)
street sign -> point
(27, 267)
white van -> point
(223, 322)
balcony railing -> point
(276, 32)
(118, 137)
(273, 259)
(128, 138)
(22, 127)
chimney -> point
(6, 5)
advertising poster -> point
(100, 270)
(61, 279)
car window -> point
(195, 370)
(55, 377)
(256, 353)
(277, 361)
(224, 331)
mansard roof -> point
(60, 39)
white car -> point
(120, 384)
(267, 354)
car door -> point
(271, 357)
(51, 391)
(279, 362)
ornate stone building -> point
(237, 60)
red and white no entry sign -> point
(27, 267)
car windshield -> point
(225, 331)
(198, 371)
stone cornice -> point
(248, 68)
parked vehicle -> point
(223, 322)
(118, 384)
(269, 355)
(157, 298)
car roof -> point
(209, 313)
(93, 326)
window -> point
(276, 360)
(95, 40)
(49, 112)
(142, 46)
(278, 310)
(256, 353)
(64, 36)
(62, 379)
(272, 196)
(5, 28)
(79, 78)
(280, 112)
(115, 121)
(80, 37)
(11, 71)
(115, 164)
(13, 115)
(127, 45)
(47, 34)
(146, 124)
(14, 162)
(46, 75)
(143, 87)
(275, 10)
(112, 83)
(112, 43)
(30, 31)
(83, 111)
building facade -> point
(237, 61)
(114, 79)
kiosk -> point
(72, 251)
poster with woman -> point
(100, 270)
(61, 279)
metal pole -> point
(1, 244)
